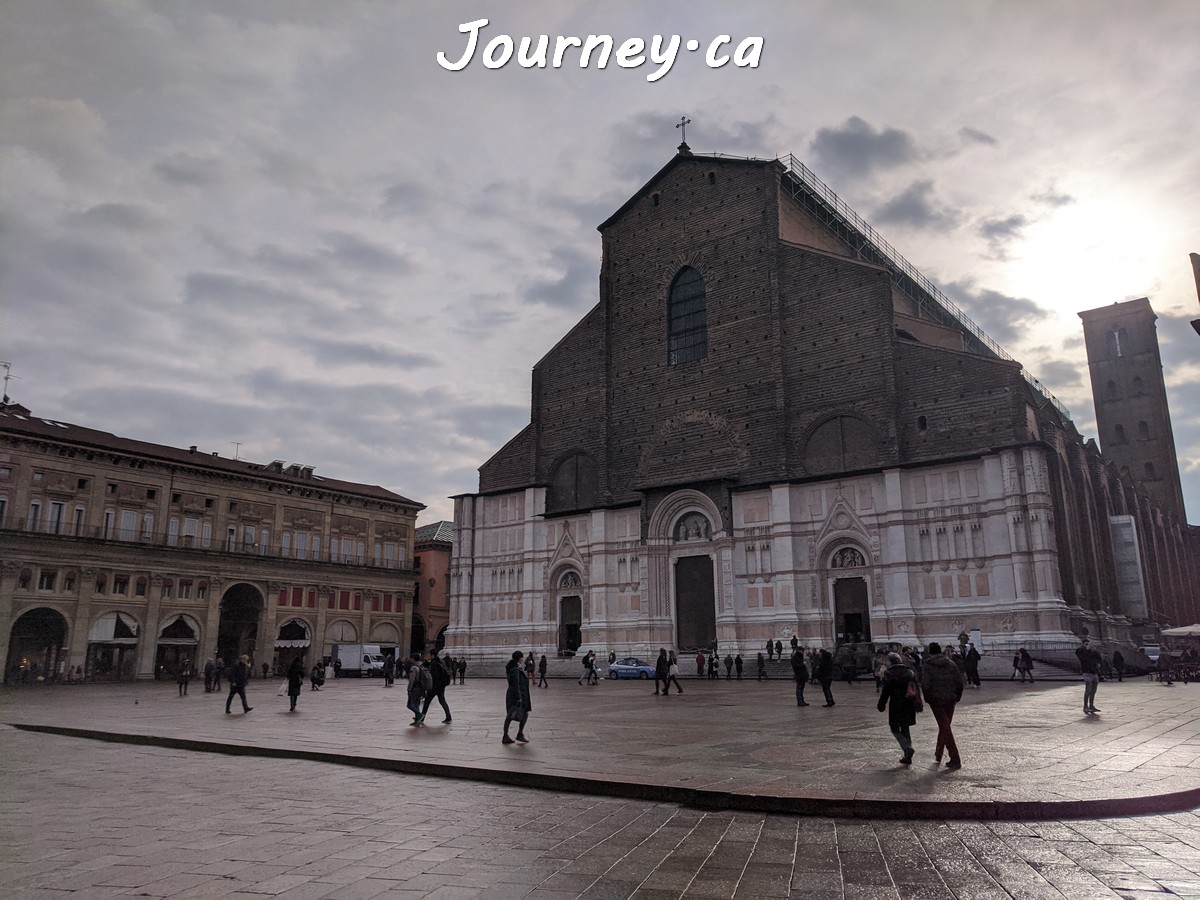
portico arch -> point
(178, 640)
(38, 638)
(241, 612)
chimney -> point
(192, 449)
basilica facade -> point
(772, 425)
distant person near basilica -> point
(1089, 665)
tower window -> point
(1110, 391)
(1119, 433)
(688, 318)
(1138, 387)
(1149, 471)
(1143, 431)
(922, 423)
(1117, 342)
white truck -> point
(359, 660)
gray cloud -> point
(1060, 376)
(1000, 232)
(138, 217)
(1052, 197)
(574, 284)
(916, 208)
(856, 148)
(1006, 319)
(358, 253)
(343, 353)
(975, 136)
(189, 170)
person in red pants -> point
(942, 685)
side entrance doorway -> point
(570, 625)
(852, 617)
(695, 604)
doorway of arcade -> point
(237, 633)
(36, 647)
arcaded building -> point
(771, 424)
(123, 557)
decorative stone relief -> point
(1007, 624)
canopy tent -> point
(181, 630)
(1182, 631)
(292, 634)
(114, 628)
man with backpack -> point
(439, 673)
(419, 681)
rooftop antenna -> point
(7, 375)
(237, 448)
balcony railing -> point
(161, 540)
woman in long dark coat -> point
(516, 700)
(295, 677)
(902, 711)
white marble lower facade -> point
(904, 555)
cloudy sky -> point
(285, 226)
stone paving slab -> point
(1029, 751)
(88, 819)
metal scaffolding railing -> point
(867, 244)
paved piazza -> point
(227, 810)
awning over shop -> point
(179, 630)
(114, 628)
(281, 645)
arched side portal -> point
(570, 612)
(851, 598)
(35, 646)
(112, 648)
(241, 611)
(292, 642)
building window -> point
(139, 588)
(264, 542)
(1110, 391)
(687, 316)
(922, 423)
(77, 524)
(121, 584)
(47, 579)
(301, 545)
(316, 547)
(185, 590)
(101, 584)
(168, 590)
(25, 579)
(378, 554)
(333, 549)
(231, 538)
(202, 591)
(147, 527)
(1138, 387)
(1143, 431)
(35, 516)
(1118, 342)
(248, 538)
(3, 509)
(190, 527)
(81, 484)
(206, 535)
(1119, 433)
(69, 581)
(285, 544)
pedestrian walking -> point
(942, 684)
(184, 676)
(1089, 665)
(770, 649)
(295, 681)
(316, 676)
(737, 664)
(800, 674)
(971, 658)
(1118, 664)
(901, 697)
(728, 666)
(795, 643)
(593, 675)
(337, 668)
(517, 704)
(762, 669)
(218, 673)
(238, 676)
(266, 670)
(662, 671)
(439, 672)
(673, 674)
(779, 650)
(389, 670)
(1025, 665)
(699, 663)
(209, 668)
(542, 682)
(878, 666)
(529, 666)
(824, 674)
(419, 680)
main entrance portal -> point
(237, 634)
(695, 604)
(852, 618)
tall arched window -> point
(687, 315)
(1110, 391)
